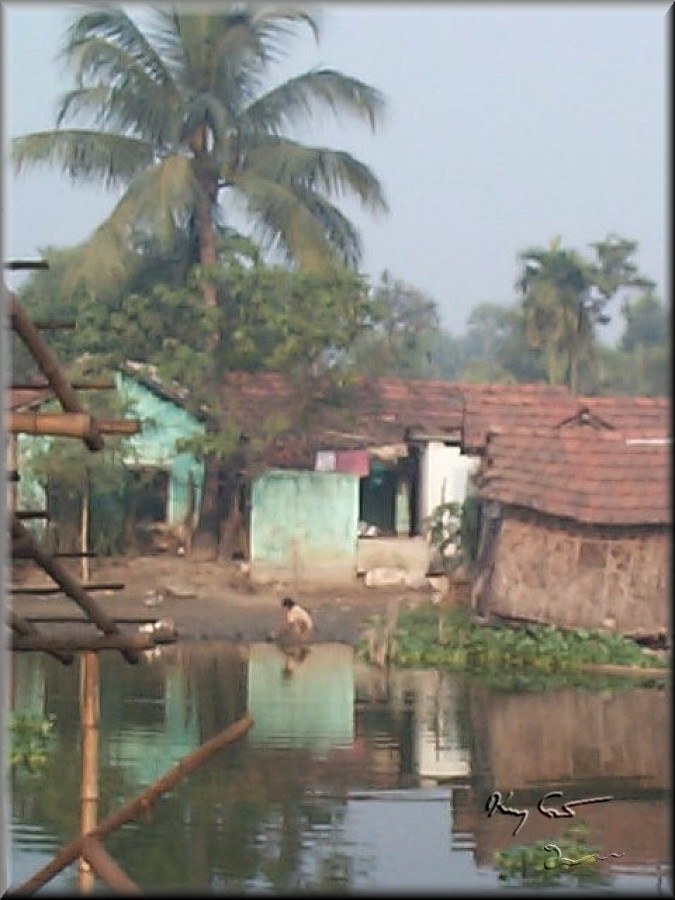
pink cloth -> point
(354, 462)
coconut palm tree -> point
(556, 284)
(180, 118)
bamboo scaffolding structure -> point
(132, 810)
(26, 629)
(76, 425)
(50, 589)
(50, 367)
(70, 585)
(107, 868)
(89, 782)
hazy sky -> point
(507, 124)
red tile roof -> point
(597, 477)
(371, 411)
(631, 415)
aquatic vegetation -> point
(429, 636)
(537, 865)
(29, 741)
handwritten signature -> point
(495, 804)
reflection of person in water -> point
(294, 656)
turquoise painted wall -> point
(163, 423)
(303, 527)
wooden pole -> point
(65, 424)
(50, 589)
(84, 529)
(127, 643)
(105, 384)
(12, 466)
(70, 585)
(107, 868)
(132, 810)
(50, 367)
(89, 786)
(26, 629)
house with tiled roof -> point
(576, 525)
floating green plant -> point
(29, 741)
(427, 636)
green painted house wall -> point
(163, 423)
(304, 527)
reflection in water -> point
(334, 787)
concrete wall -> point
(444, 473)
(303, 527)
(581, 577)
(163, 423)
(411, 554)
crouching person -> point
(296, 626)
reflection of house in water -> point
(441, 754)
(312, 706)
(584, 743)
(429, 705)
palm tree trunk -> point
(207, 537)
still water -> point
(352, 779)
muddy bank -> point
(214, 601)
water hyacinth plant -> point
(429, 636)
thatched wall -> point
(580, 576)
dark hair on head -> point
(288, 602)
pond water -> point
(352, 779)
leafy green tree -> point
(646, 323)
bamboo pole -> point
(12, 466)
(107, 868)
(50, 589)
(84, 530)
(69, 584)
(89, 785)
(27, 629)
(141, 803)
(24, 514)
(127, 643)
(67, 424)
(50, 367)
(21, 264)
(105, 384)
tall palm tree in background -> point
(180, 117)
(555, 284)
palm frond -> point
(116, 92)
(89, 156)
(283, 221)
(312, 169)
(299, 98)
(113, 24)
(158, 203)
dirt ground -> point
(208, 600)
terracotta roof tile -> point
(590, 476)
(632, 416)
(372, 411)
